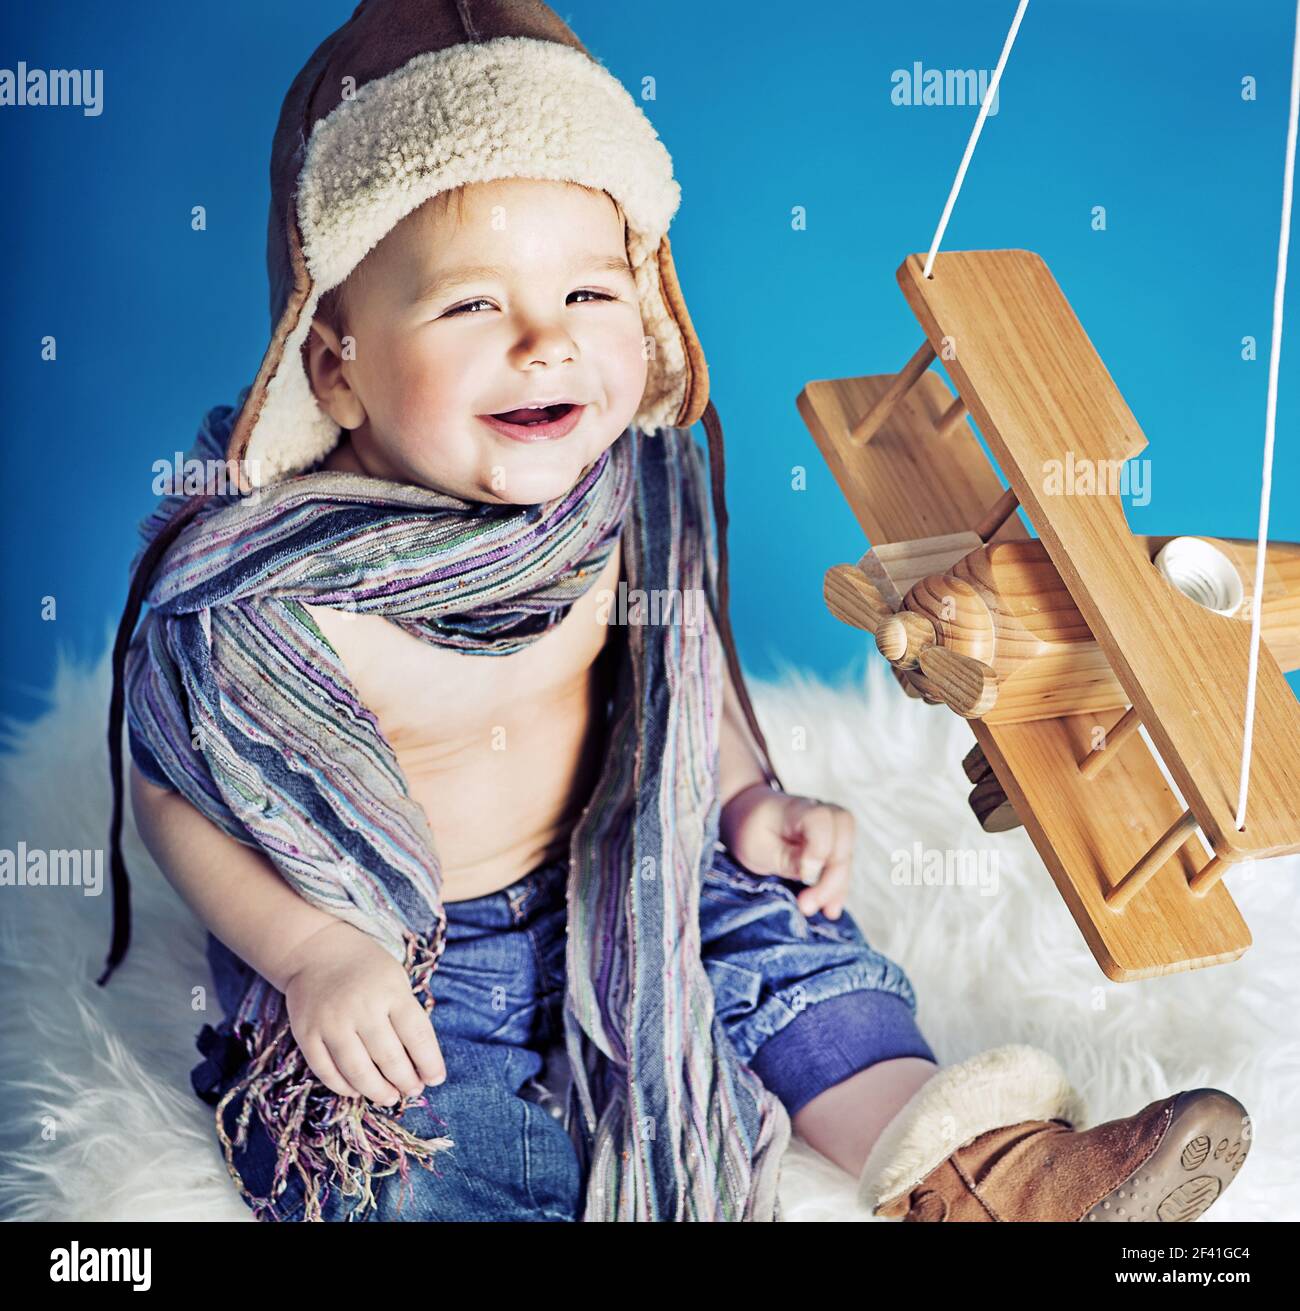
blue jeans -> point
(806, 1002)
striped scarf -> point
(234, 694)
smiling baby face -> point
(483, 301)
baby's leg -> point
(824, 1020)
(512, 1160)
(843, 1121)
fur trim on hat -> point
(1001, 1086)
(509, 107)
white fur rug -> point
(99, 1122)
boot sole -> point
(1203, 1147)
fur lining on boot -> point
(1004, 1085)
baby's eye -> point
(469, 304)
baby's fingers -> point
(831, 890)
(390, 1056)
(827, 893)
(412, 1026)
(814, 829)
(323, 1067)
(354, 1063)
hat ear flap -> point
(677, 378)
(695, 389)
(300, 303)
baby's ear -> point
(323, 356)
(322, 342)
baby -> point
(491, 347)
(442, 374)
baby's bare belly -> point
(502, 752)
(504, 798)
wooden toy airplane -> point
(1057, 648)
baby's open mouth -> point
(536, 423)
(530, 417)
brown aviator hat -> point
(414, 97)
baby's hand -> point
(359, 1025)
(770, 832)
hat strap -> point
(717, 477)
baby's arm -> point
(351, 1008)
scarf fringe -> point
(328, 1139)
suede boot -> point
(995, 1138)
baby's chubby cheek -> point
(626, 396)
(622, 363)
(431, 430)
(424, 411)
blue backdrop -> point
(1134, 105)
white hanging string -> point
(1270, 416)
(975, 134)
